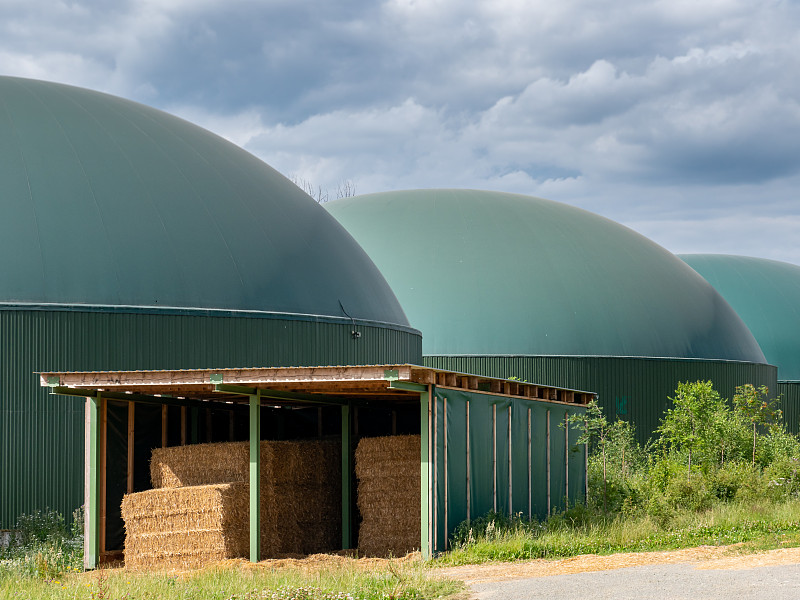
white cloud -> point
(676, 116)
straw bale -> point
(300, 491)
(199, 464)
(181, 527)
(388, 472)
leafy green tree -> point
(752, 404)
(696, 423)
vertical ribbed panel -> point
(41, 436)
(789, 392)
(634, 389)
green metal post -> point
(255, 477)
(347, 472)
(425, 491)
(92, 544)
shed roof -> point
(294, 385)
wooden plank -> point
(451, 379)
(183, 425)
(495, 385)
(530, 469)
(164, 417)
(446, 477)
(507, 387)
(469, 508)
(494, 457)
(547, 436)
(131, 423)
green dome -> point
(766, 295)
(489, 273)
(111, 203)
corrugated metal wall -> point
(41, 436)
(790, 404)
(478, 468)
(634, 389)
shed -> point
(486, 444)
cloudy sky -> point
(678, 118)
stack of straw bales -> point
(185, 527)
(300, 503)
(388, 472)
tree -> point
(753, 406)
(696, 423)
(345, 189)
(594, 427)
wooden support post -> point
(164, 423)
(183, 425)
(347, 479)
(469, 515)
(446, 479)
(425, 473)
(103, 458)
(586, 474)
(195, 425)
(530, 469)
(548, 461)
(510, 478)
(566, 459)
(91, 544)
(494, 457)
(131, 421)
(232, 426)
(255, 478)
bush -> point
(44, 547)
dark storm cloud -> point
(658, 111)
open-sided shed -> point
(485, 444)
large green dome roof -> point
(766, 295)
(488, 273)
(111, 203)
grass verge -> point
(345, 580)
(757, 527)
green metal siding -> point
(634, 389)
(486, 458)
(41, 436)
(790, 404)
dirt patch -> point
(704, 557)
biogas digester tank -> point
(131, 239)
(508, 285)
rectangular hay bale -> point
(300, 490)
(172, 528)
(388, 492)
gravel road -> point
(663, 582)
(704, 573)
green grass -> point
(397, 580)
(757, 526)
